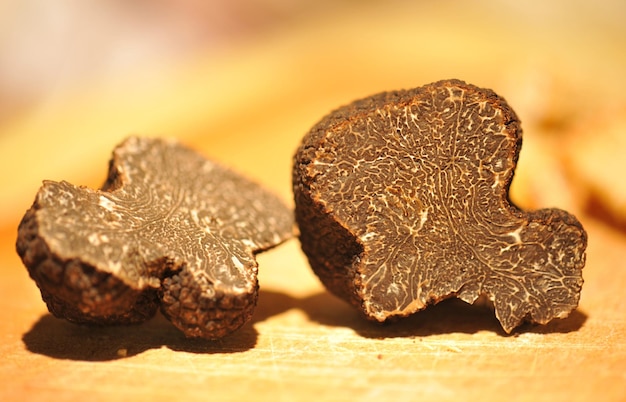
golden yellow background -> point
(241, 82)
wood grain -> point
(304, 342)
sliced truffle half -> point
(402, 201)
(169, 228)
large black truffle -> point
(402, 201)
(169, 228)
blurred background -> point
(242, 81)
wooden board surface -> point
(249, 108)
(304, 344)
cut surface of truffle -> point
(402, 201)
(169, 228)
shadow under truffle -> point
(449, 316)
(61, 339)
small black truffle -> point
(402, 201)
(169, 228)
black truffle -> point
(169, 228)
(402, 201)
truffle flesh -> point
(402, 201)
(169, 228)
